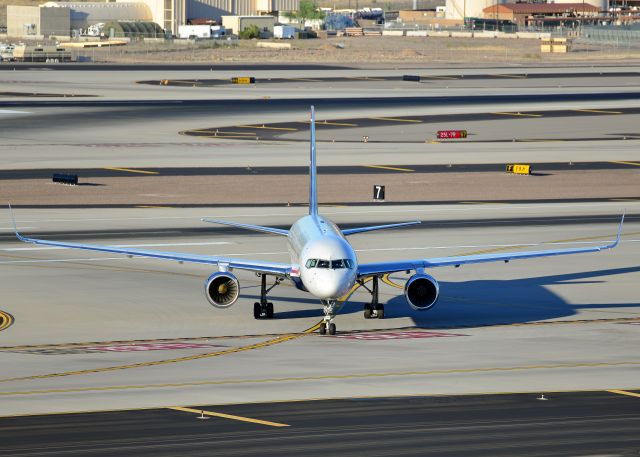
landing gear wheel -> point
(257, 310)
(323, 329)
(269, 311)
(380, 311)
(332, 329)
(367, 311)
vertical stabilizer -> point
(313, 191)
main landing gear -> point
(327, 324)
(373, 309)
(264, 307)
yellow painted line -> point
(218, 132)
(396, 119)
(635, 164)
(236, 137)
(384, 167)
(344, 124)
(277, 340)
(504, 75)
(304, 79)
(386, 280)
(518, 114)
(597, 111)
(6, 320)
(228, 416)
(264, 127)
(623, 392)
(131, 170)
(366, 78)
(389, 374)
(439, 77)
(151, 206)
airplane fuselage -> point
(328, 263)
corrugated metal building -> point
(37, 22)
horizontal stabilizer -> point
(255, 228)
(352, 231)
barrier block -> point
(65, 178)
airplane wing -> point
(347, 232)
(255, 228)
(376, 268)
(259, 266)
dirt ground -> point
(336, 189)
(365, 51)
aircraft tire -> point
(332, 329)
(257, 311)
(269, 312)
(323, 329)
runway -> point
(85, 332)
(566, 424)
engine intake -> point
(222, 289)
(421, 291)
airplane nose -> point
(331, 285)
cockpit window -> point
(333, 264)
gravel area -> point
(340, 189)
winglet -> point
(615, 243)
(15, 227)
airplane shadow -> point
(493, 302)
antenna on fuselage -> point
(313, 191)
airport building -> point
(66, 18)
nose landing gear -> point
(264, 307)
(327, 324)
(373, 309)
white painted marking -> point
(9, 111)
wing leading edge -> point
(274, 268)
(368, 269)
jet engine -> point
(222, 289)
(421, 291)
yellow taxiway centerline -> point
(518, 114)
(623, 392)
(131, 170)
(264, 127)
(384, 167)
(396, 119)
(597, 111)
(6, 320)
(228, 416)
(344, 124)
(364, 375)
(626, 163)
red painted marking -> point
(147, 347)
(397, 335)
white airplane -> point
(322, 262)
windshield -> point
(333, 264)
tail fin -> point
(313, 191)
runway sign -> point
(451, 134)
(519, 169)
(397, 335)
(243, 80)
(378, 192)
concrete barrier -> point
(417, 33)
(534, 35)
(485, 34)
(461, 34)
(267, 44)
(393, 32)
(438, 33)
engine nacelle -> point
(222, 289)
(421, 291)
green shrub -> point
(249, 32)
